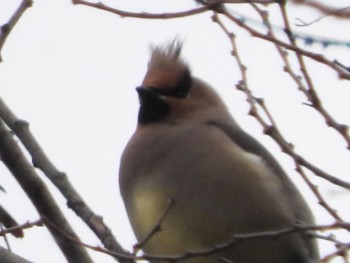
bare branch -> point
(59, 179)
(142, 15)
(286, 147)
(9, 257)
(310, 91)
(321, 200)
(237, 239)
(121, 256)
(234, 240)
(343, 74)
(7, 28)
(21, 227)
(271, 129)
(264, 16)
(157, 227)
(38, 193)
(326, 9)
(9, 222)
(264, 2)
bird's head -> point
(169, 92)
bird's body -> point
(221, 180)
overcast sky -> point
(71, 72)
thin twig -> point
(237, 239)
(318, 195)
(145, 15)
(21, 227)
(287, 68)
(249, 1)
(326, 9)
(310, 92)
(121, 256)
(286, 147)
(341, 248)
(142, 15)
(157, 227)
(341, 252)
(7, 28)
(271, 129)
(343, 74)
(234, 240)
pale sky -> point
(71, 72)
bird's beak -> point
(148, 94)
(152, 105)
(146, 91)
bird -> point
(192, 180)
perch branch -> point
(38, 193)
(59, 179)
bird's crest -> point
(166, 69)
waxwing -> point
(190, 170)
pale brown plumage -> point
(188, 148)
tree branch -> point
(310, 91)
(41, 198)
(7, 28)
(156, 228)
(142, 15)
(343, 74)
(59, 179)
(326, 9)
(9, 257)
(21, 227)
(9, 222)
